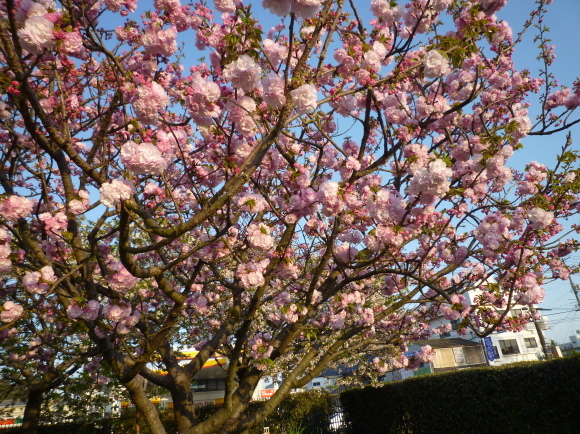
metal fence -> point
(328, 423)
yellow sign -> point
(188, 355)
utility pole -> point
(547, 352)
(545, 348)
(576, 291)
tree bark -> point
(183, 407)
(31, 418)
(145, 406)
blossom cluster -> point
(16, 207)
(149, 99)
(112, 193)
(244, 73)
(251, 274)
(143, 158)
(89, 313)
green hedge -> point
(304, 412)
(534, 397)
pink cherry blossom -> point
(72, 44)
(16, 207)
(252, 202)
(79, 206)
(493, 231)
(114, 5)
(5, 266)
(201, 99)
(160, 42)
(274, 90)
(435, 65)
(243, 73)
(387, 207)
(337, 321)
(275, 52)
(143, 158)
(277, 7)
(346, 252)
(329, 198)
(120, 279)
(149, 100)
(29, 8)
(74, 311)
(383, 9)
(54, 224)
(305, 98)
(11, 311)
(36, 35)
(112, 193)
(225, 5)
(259, 236)
(250, 275)
(91, 312)
(47, 274)
(126, 324)
(430, 182)
(115, 312)
(31, 278)
(305, 8)
(540, 218)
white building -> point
(328, 379)
(573, 346)
(503, 347)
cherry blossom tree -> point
(306, 194)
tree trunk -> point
(183, 407)
(31, 417)
(144, 406)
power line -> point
(561, 313)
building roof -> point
(447, 343)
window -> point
(474, 355)
(509, 346)
(458, 356)
(495, 352)
(531, 343)
(207, 385)
(317, 383)
(454, 324)
(445, 335)
(444, 358)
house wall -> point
(528, 348)
(320, 382)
